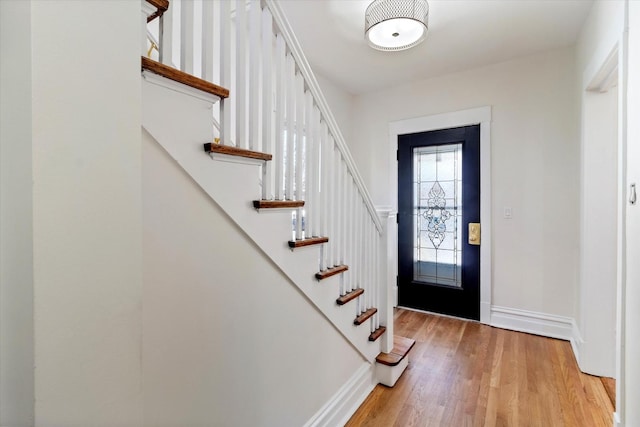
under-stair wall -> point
(228, 339)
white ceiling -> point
(463, 34)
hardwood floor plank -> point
(464, 373)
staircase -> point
(276, 142)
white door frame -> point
(606, 70)
(474, 116)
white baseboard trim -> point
(338, 410)
(616, 420)
(533, 322)
(576, 342)
(485, 313)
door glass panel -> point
(437, 212)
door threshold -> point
(417, 310)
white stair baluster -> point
(380, 279)
(309, 161)
(240, 93)
(329, 208)
(267, 102)
(349, 234)
(207, 41)
(367, 283)
(186, 36)
(322, 186)
(255, 52)
(166, 36)
(339, 209)
(290, 120)
(373, 264)
(363, 255)
(299, 146)
(280, 93)
(225, 70)
(315, 170)
(336, 205)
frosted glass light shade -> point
(392, 25)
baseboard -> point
(485, 313)
(338, 410)
(533, 322)
(576, 342)
(616, 420)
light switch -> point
(508, 214)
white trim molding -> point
(179, 87)
(343, 404)
(533, 322)
(617, 422)
(473, 116)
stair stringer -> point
(181, 124)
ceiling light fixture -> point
(391, 25)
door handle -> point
(474, 233)
(632, 194)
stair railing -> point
(276, 106)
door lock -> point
(474, 233)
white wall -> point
(535, 167)
(87, 212)
(16, 250)
(341, 104)
(632, 296)
(228, 340)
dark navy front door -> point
(438, 196)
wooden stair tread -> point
(364, 316)
(159, 4)
(161, 7)
(377, 333)
(235, 151)
(184, 78)
(307, 242)
(389, 359)
(277, 204)
(350, 296)
(401, 347)
(331, 272)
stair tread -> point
(401, 347)
(331, 271)
(235, 151)
(350, 296)
(161, 7)
(364, 316)
(377, 333)
(184, 78)
(159, 4)
(277, 204)
(308, 242)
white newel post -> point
(387, 279)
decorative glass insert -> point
(437, 213)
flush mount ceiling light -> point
(396, 24)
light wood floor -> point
(467, 374)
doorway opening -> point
(438, 208)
